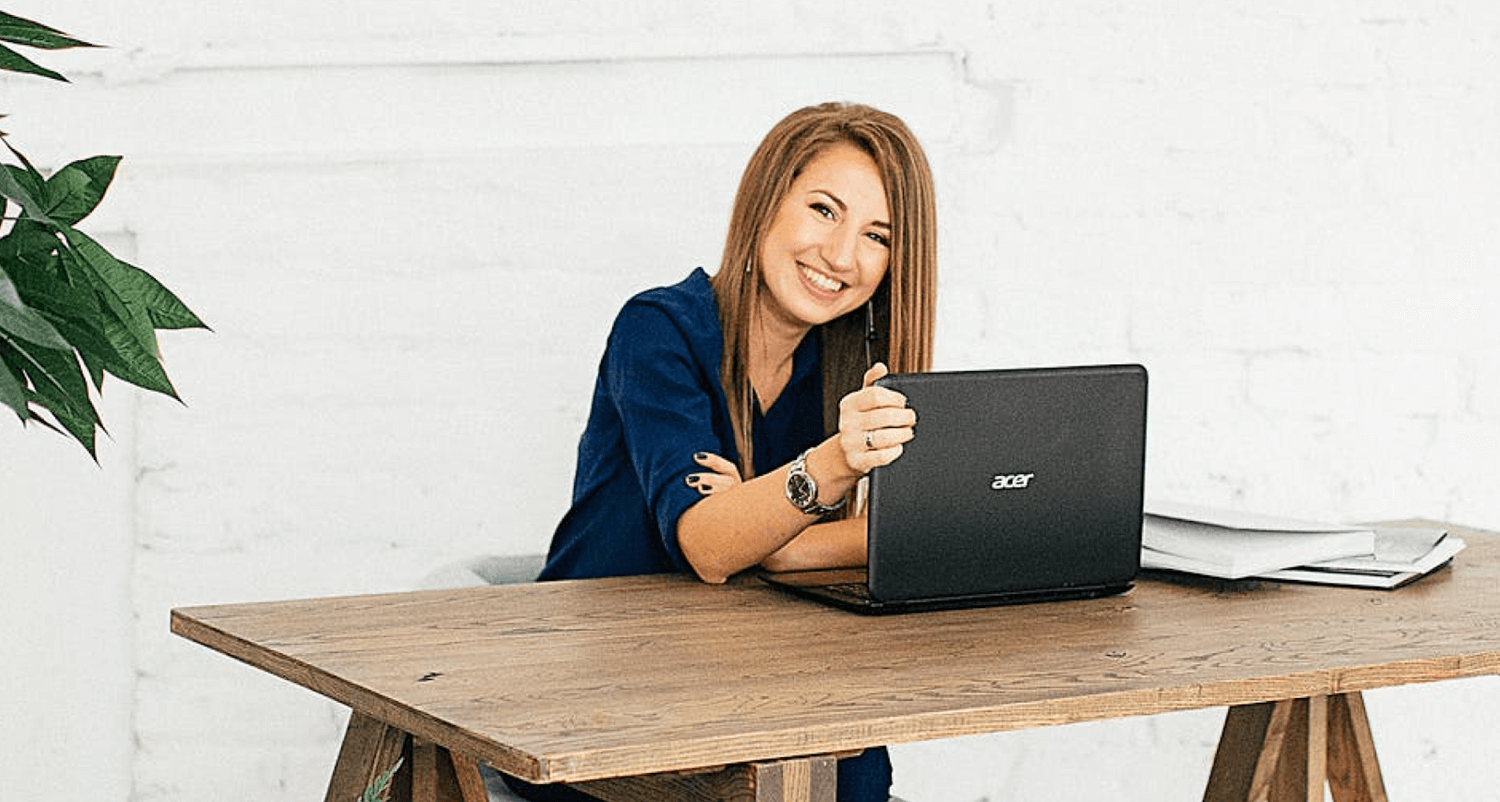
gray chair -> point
(488, 570)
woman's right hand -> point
(720, 474)
(874, 424)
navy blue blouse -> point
(658, 401)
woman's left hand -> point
(719, 474)
(874, 424)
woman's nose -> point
(840, 248)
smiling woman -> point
(733, 416)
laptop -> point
(1021, 485)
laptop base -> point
(848, 589)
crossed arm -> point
(740, 524)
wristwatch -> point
(802, 489)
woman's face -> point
(828, 245)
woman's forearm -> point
(742, 526)
(836, 544)
(747, 523)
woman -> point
(734, 415)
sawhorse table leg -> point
(428, 772)
(1289, 750)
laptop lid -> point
(1024, 482)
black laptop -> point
(1021, 485)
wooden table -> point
(662, 688)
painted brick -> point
(410, 230)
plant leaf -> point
(167, 311)
(23, 31)
(127, 355)
(96, 371)
(135, 364)
(21, 321)
(77, 314)
(74, 191)
(116, 284)
(117, 355)
(42, 289)
(109, 337)
(380, 789)
(82, 425)
(13, 185)
(12, 390)
(11, 61)
(58, 386)
(54, 374)
(32, 246)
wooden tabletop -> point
(573, 681)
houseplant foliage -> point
(70, 312)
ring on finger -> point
(869, 441)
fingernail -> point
(691, 479)
(700, 456)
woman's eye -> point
(880, 238)
(823, 209)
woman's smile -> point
(821, 281)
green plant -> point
(70, 312)
(380, 790)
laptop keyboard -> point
(858, 590)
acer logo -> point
(1012, 481)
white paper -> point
(1233, 519)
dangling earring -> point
(869, 334)
(747, 267)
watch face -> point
(799, 489)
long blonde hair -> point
(903, 307)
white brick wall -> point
(410, 224)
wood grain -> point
(1353, 770)
(370, 749)
(426, 772)
(1291, 750)
(576, 681)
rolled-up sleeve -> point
(669, 406)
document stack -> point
(1235, 545)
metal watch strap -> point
(809, 502)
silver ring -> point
(869, 444)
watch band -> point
(802, 489)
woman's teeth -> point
(821, 281)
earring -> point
(869, 334)
(747, 267)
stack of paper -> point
(1237, 545)
(1402, 554)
